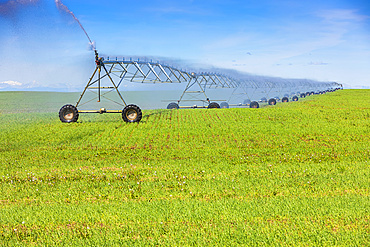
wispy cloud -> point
(293, 40)
(317, 63)
(342, 15)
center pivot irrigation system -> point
(110, 74)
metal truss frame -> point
(201, 82)
(110, 74)
(243, 90)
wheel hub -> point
(131, 114)
(68, 115)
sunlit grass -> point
(292, 174)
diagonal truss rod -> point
(151, 72)
(147, 72)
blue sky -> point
(321, 40)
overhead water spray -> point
(64, 8)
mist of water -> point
(10, 8)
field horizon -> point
(292, 174)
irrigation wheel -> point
(224, 105)
(272, 101)
(303, 95)
(213, 105)
(285, 99)
(295, 98)
(68, 114)
(173, 105)
(254, 104)
(132, 114)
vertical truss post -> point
(99, 72)
(114, 85)
(194, 81)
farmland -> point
(291, 174)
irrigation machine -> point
(110, 74)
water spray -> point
(64, 8)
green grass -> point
(292, 174)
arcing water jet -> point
(64, 8)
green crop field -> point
(294, 174)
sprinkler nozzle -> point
(97, 59)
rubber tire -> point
(272, 101)
(213, 105)
(131, 109)
(295, 98)
(285, 99)
(224, 105)
(247, 102)
(263, 99)
(67, 110)
(307, 93)
(312, 93)
(254, 104)
(173, 105)
(303, 95)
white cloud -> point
(342, 15)
(10, 83)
